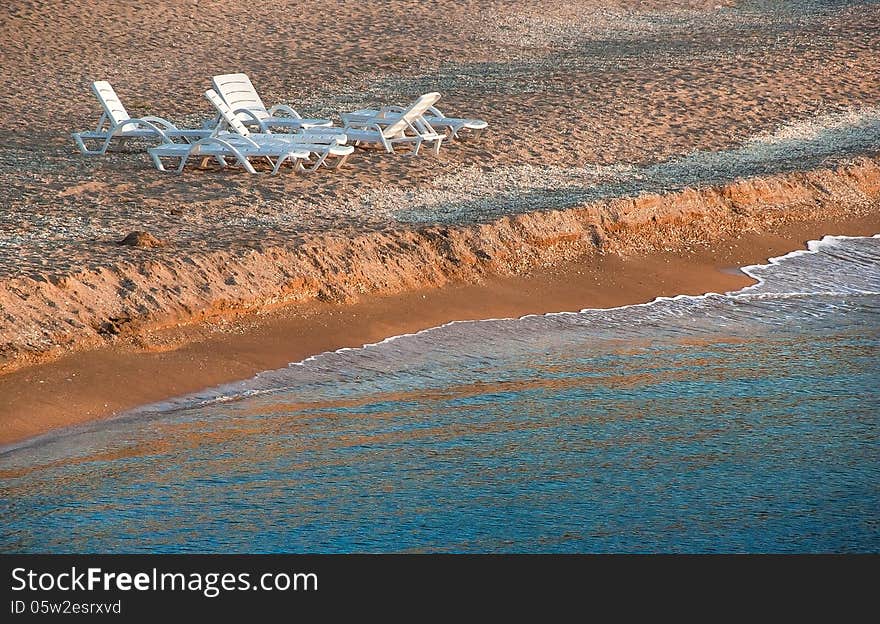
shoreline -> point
(91, 385)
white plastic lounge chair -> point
(226, 146)
(239, 93)
(451, 125)
(240, 145)
(323, 142)
(405, 126)
(115, 123)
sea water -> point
(738, 422)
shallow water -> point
(739, 422)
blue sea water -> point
(738, 422)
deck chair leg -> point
(81, 144)
(95, 152)
(158, 162)
(182, 163)
(117, 147)
(244, 162)
(321, 160)
(105, 146)
(281, 160)
(300, 166)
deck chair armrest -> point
(223, 142)
(252, 119)
(286, 110)
(213, 122)
(397, 110)
(159, 121)
(141, 122)
(433, 110)
(366, 125)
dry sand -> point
(619, 131)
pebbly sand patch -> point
(475, 195)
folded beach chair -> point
(451, 125)
(115, 123)
(241, 96)
(407, 125)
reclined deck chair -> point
(322, 141)
(451, 125)
(239, 93)
(406, 126)
(116, 123)
(220, 145)
(242, 145)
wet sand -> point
(95, 384)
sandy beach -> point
(635, 149)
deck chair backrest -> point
(238, 91)
(228, 116)
(412, 113)
(110, 102)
